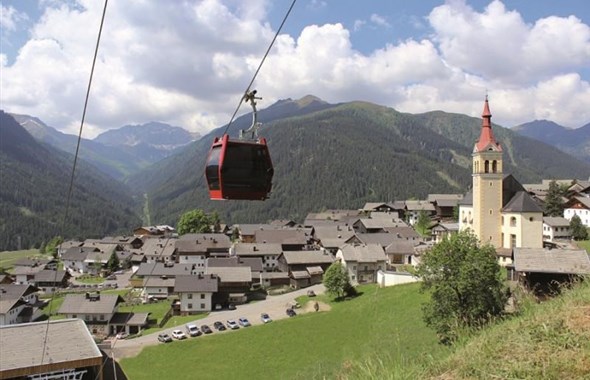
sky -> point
(188, 63)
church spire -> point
(486, 137)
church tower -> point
(487, 184)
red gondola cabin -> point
(239, 169)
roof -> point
(372, 206)
(7, 304)
(563, 261)
(441, 197)
(582, 201)
(372, 223)
(14, 291)
(159, 282)
(67, 340)
(159, 269)
(96, 304)
(315, 270)
(273, 275)
(401, 246)
(419, 206)
(256, 249)
(231, 274)
(307, 257)
(202, 243)
(198, 283)
(467, 199)
(556, 221)
(129, 319)
(369, 253)
(522, 202)
(160, 247)
(381, 238)
(284, 236)
(78, 253)
(298, 274)
(47, 275)
(486, 137)
(403, 232)
(35, 262)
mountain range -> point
(573, 141)
(325, 156)
(35, 183)
(343, 155)
(117, 152)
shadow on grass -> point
(348, 297)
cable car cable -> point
(71, 186)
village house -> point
(377, 225)
(441, 231)
(556, 228)
(154, 288)
(18, 304)
(161, 270)
(196, 248)
(72, 351)
(50, 280)
(332, 236)
(332, 216)
(445, 205)
(362, 262)
(100, 313)
(413, 209)
(253, 263)
(63, 247)
(196, 293)
(154, 249)
(402, 251)
(580, 206)
(305, 268)
(234, 283)
(266, 252)
(161, 230)
(290, 239)
(377, 207)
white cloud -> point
(379, 20)
(188, 63)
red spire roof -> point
(487, 135)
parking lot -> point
(275, 306)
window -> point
(513, 221)
(531, 219)
(102, 317)
(202, 296)
(487, 166)
(190, 296)
(354, 267)
(189, 306)
(512, 241)
(202, 306)
(494, 166)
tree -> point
(196, 221)
(579, 231)
(554, 200)
(113, 263)
(422, 223)
(336, 280)
(465, 284)
(52, 245)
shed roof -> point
(43, 343)
(564, 261)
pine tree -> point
(553, 200)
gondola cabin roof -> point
(239, 169)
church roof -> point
(486, 137)
(467, 199)
(522, 202)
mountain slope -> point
(342, 156)
(35, 182)
(118, 152)
(573, 141)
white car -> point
(232, 324)
(192, 330)
(265, 318)
(178, 334)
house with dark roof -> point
(18, 304)
(332, 216)
(580, 206)
(332, 236)
(154, 249)
(266, 252)
(290, 239)
(362, 262)
(50, 280)
(305, 268)
(234, 282)
(413, 209)
(444, 205)
(196, 248)
(100, 313)
(377, 225)
(157, 288)
(556, 228)
(196, 293)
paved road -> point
(275, 306)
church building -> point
(498, 210)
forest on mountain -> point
(35, 182)
(342, 156)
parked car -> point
(178, 334)
(206, 329)
(112, 277)
(219, 326)
(265, 318)
(192, 330)
(291, 312)
(243, 322)
(122, 335)
(232, 324)
(310, 293)
(231, 306)
(164, 338)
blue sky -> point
(187, 63)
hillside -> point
(573, 141)
(341, 156)
(117, 152)
(35, 181)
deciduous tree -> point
(579, 231)
(197, 221)
(465, 284)
(336, 280)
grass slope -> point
(308, 346)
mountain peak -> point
(308, 99)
